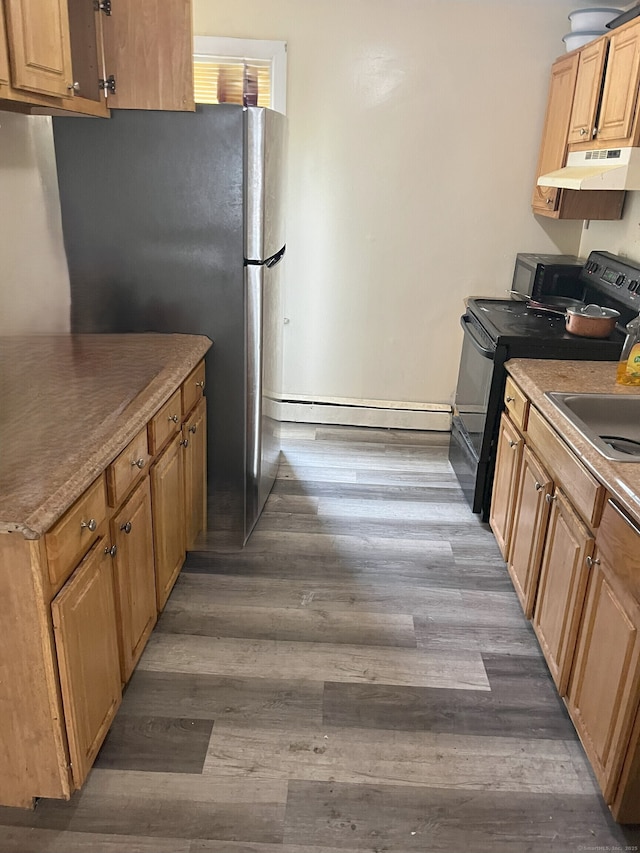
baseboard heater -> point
(371, 413)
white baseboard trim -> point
(423, 417)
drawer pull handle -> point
(90, 525)
(513, 443)
(538, 486)
(193, 428)
(551, 498)
(173, 418)
(510, 399)
(126, 527)
(185, 443)
(591, 562)
(138, 463)
(200, 384)
(112, 551)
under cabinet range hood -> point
(607, 169)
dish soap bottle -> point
(629, 365)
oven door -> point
(476, 413)
(473, 390)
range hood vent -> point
(606, 169)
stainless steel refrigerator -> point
(174, 222)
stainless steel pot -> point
(591, 321)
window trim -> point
(275, 52)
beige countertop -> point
(68, 405)
(537, 376)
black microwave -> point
(537, 276)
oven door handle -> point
(469, 329)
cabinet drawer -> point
(127, 468)
(584, 491)
(76, 531)
(165, 423)
(516, 404)
(192, 388)
(619, 542)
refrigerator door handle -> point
(275, 259)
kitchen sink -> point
(609, 422)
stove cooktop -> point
(523, 329)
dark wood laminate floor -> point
(359, 678)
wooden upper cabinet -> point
(582, 125)
(620, 93)
(149, 50)
(4, 53)
(39, 41)
(78, 57)
(553, 148)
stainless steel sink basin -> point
(610, 422)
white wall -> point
(34, 282)
(414, 130)
(621, 238)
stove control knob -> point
(633, 285)
(620, 280)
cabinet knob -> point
(185, 443)
(74, 87)
(138, 463)
(173, 418)
(112, 551)
(583, 131)
(510, 399)
(513, 443)
(126, 527)
(549, 201)
(200, 384)
(591, 562)
(90, 525)
(193, 428)
(551, 498)
(538, 486)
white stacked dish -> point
(588, 24)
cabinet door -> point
(603, 694)
(39, 46)
(131, 531)
(529, 529)
(167, 500)
(620, 93)
(148, 48)
(553, 147)
(587, 93)
(4, 52)
(561, 591)
(194, 443)
(508, 457)
(84, 620)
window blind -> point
(221, 80)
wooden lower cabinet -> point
(605, 683)
(167, 499)
(505, 483)
(561, 589)
(84, 621)
(132, 533)
(194, 443)
(529, 528)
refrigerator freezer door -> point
(265, 150)
(264, 372)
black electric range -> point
(496, 330)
